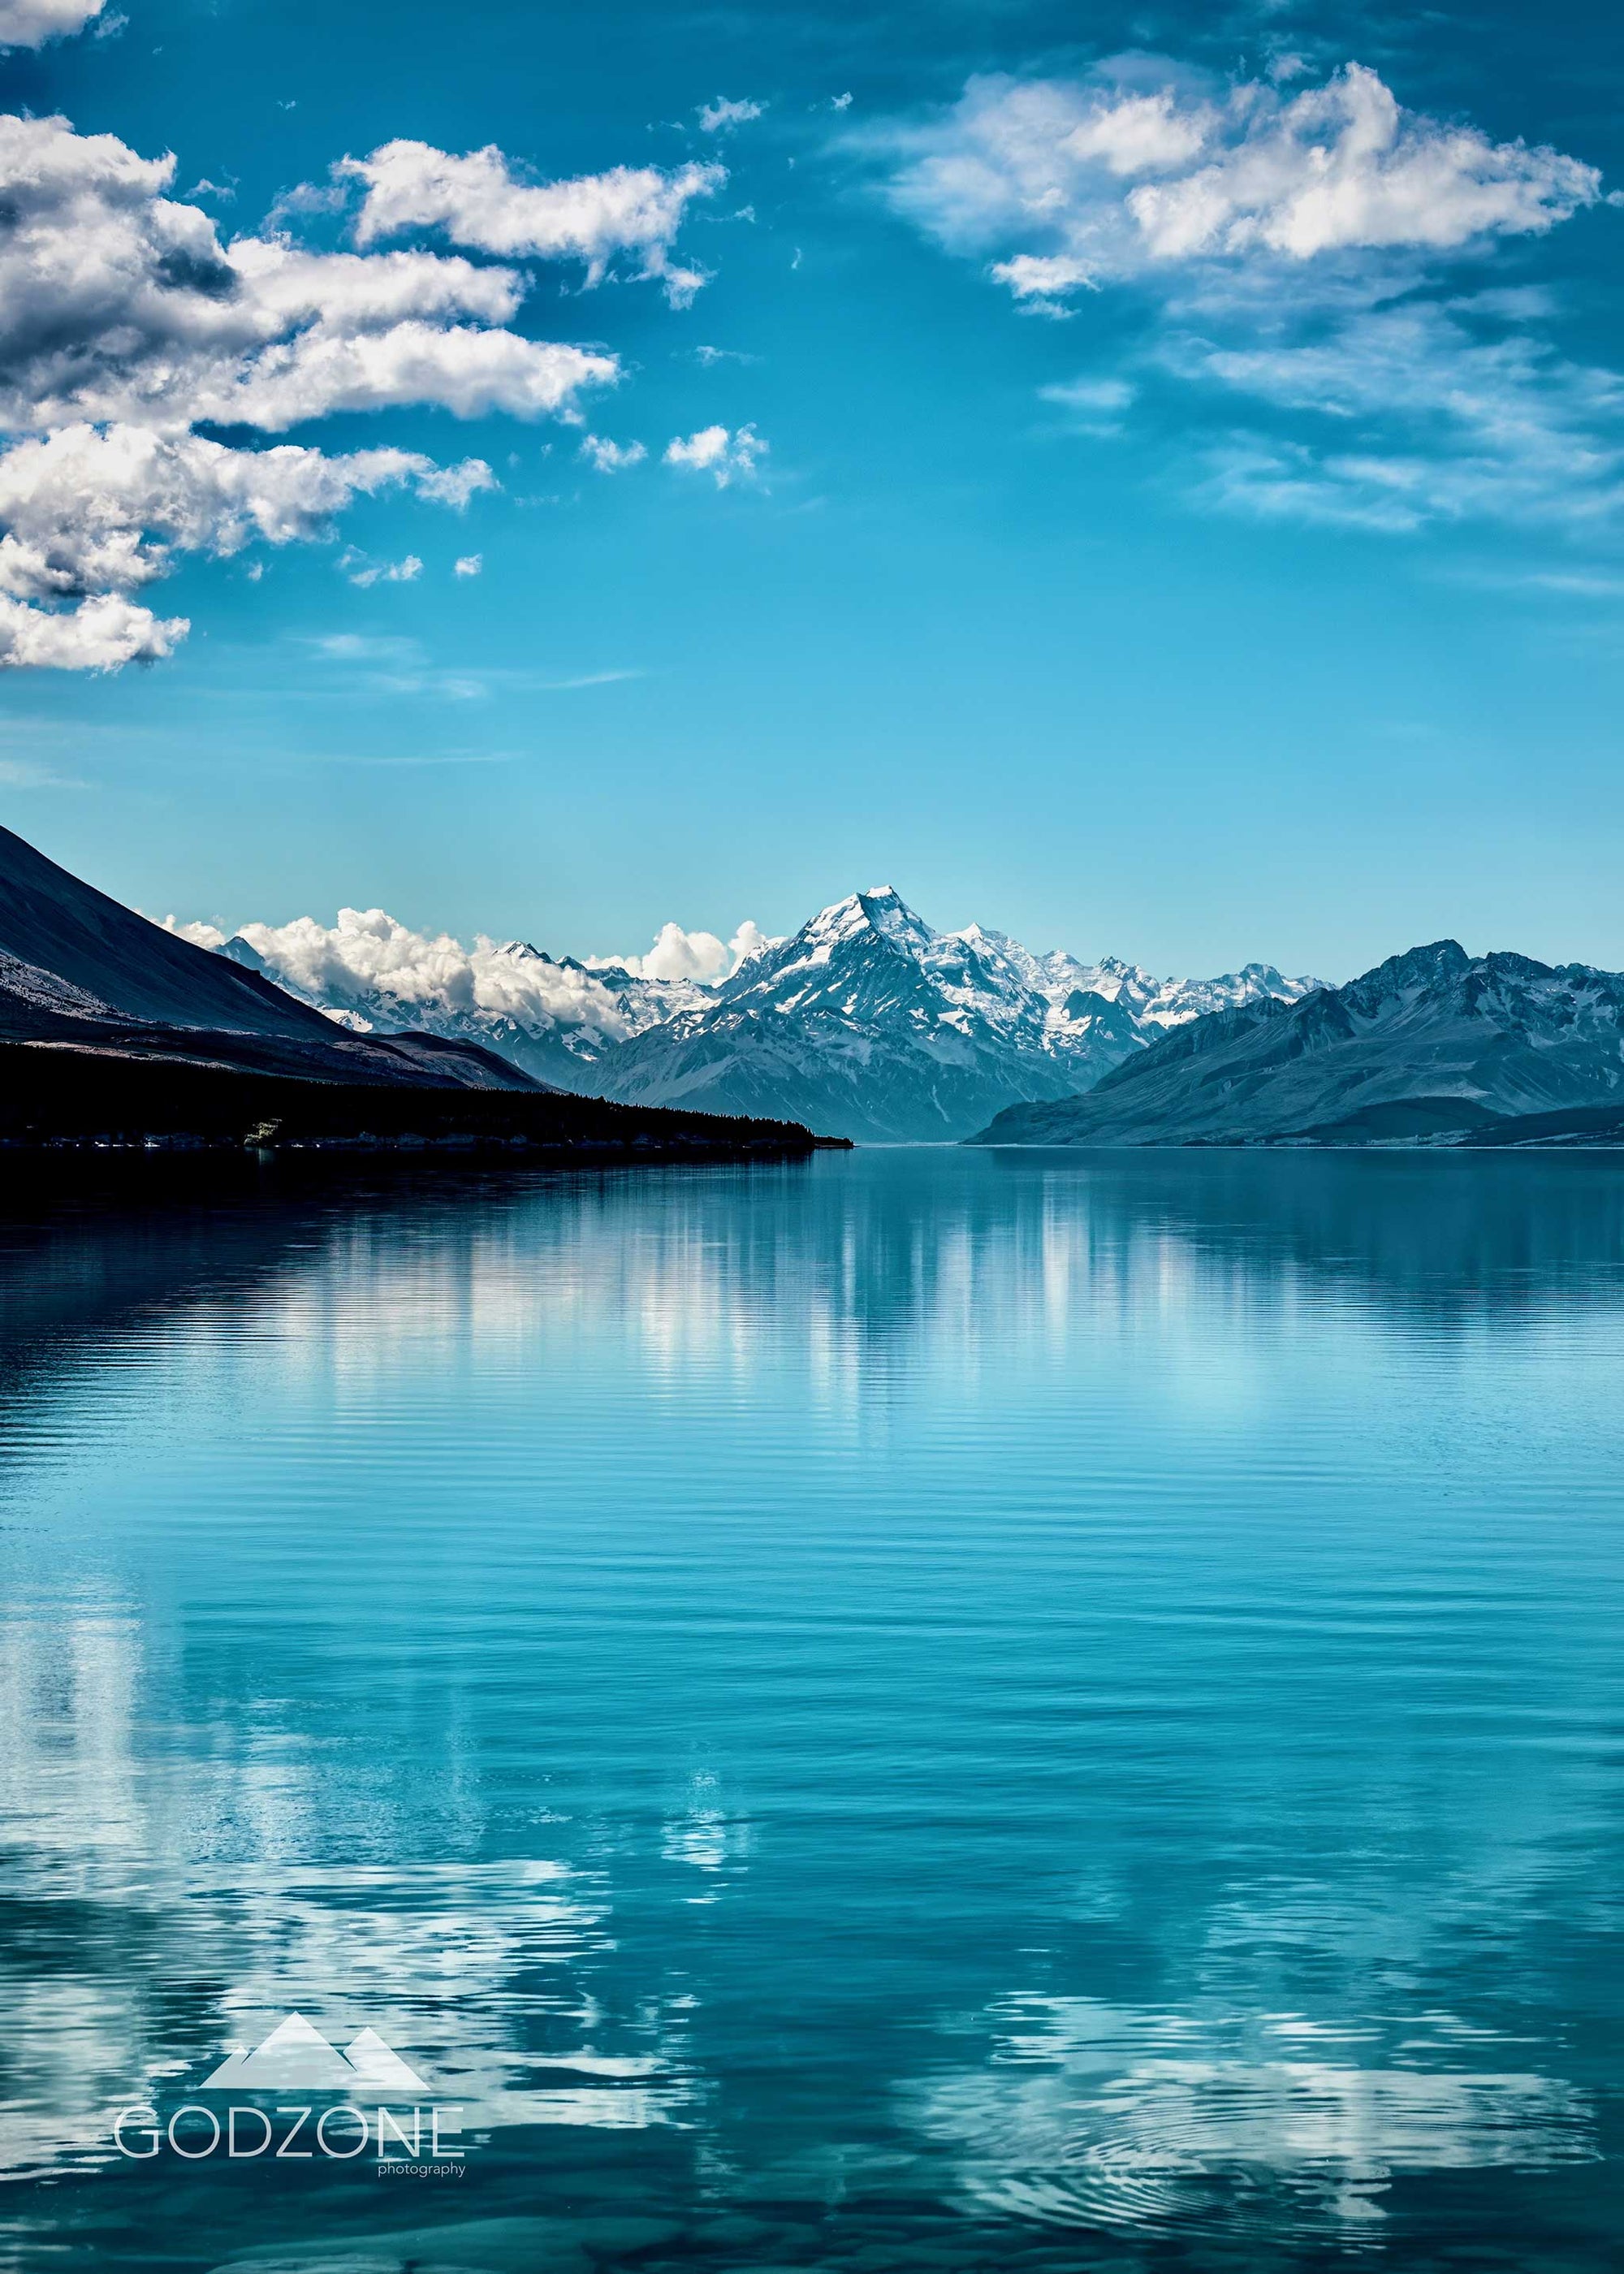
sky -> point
(1150, 480)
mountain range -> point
(865, 1024)
(1430, 1044)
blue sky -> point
(1143, 539)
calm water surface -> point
(916, 1710)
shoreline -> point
(64, 1104)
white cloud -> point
(1079, 183)
(388, 664)
(26, 773)
(679, 954)
(727, 455)
(117, 302)
(1297, 253)
(471, 564)
(1091, 405)
(721, 116)
(126, 322)
(1089, 393)
(30, 23)
(102, 634)
(480, 200)
(366, 647)
(366, 573)
(1430, 416)
(372, 968)
(749, 940)
(696, 955)
(368, 954)
(470, 372)
(87, 508)
(1042, 280)
(611, 457)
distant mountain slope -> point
(878, 1028)
(79, 969)
(1427, 1040)
(414, 1061)
(50, 920)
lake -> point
(912, 1709)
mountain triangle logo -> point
(296, 2057)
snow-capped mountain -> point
(867, 1024)
(876, 1027)
(1159, 1002)
(1431, 1042)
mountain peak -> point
(881, 909)
(1418, 968)
(879, 900)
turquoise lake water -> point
(918, 1709)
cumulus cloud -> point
(467, 372)
(1082, 183)
(30, 23)
(380, 971)
(696, 955)
(727, 455)
(721, 116)
(370, 969)
(127, 321)
(611, 457)
(102, 634)
(89, 509)
(482, 201)
(471, 564)
(119, 302)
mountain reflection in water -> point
(917, 1707)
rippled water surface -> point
(916, 1710)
